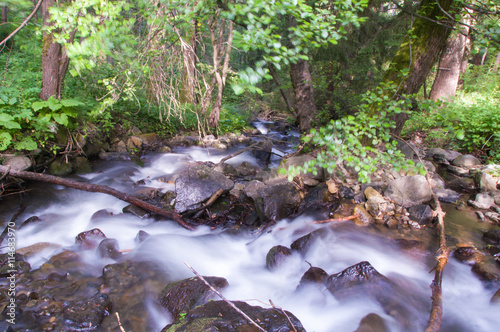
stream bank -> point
(82, 257)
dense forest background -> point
(354, 72)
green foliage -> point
(233, 120)
(471, 122)
(362, 142)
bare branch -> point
(25, 22)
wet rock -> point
(372, 323)
(108, 248)
(346, 192)
(60, 167)
(136, 211)
(101, 214)
(183, 295)
(496, 196)
(92, 148)
(482, 201)
(362, 276)
(89, 239)
(226, 169)
(196, 184)
(17, 163)
(492, 236)
(446, 195)
(30, 220)
(496, 297)
(462, 184)
(409, 190)
(141, 236)
(220, 316)
(467, 254)
(277, 256)
(485, 271)
(485, 182)
(377, 206)
(264, 151)
(459, 171)
(277, 200)
(480, 216)
(421, 213)
(437, 153)
(364, 218)
(19, 265)
(304, 243)
(493, 216)
(315, 276)
(247, 169)
(466, 160)
(87, 314)
(82, 165)
(252, 187)
(300, 161)
(37, 247)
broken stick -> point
(96, 188)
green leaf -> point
(38, 105)
(27, 143)
(460, 134)
(5, 140)
(62, 119)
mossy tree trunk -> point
(419, 54)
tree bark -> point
(96, 189)
(4, 14)
(420, 53)
(305, 106)
(54, 59)
(446, 81)
(188, 47)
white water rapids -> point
(240, 258)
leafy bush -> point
(362, 142)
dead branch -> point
(99, 189)
(284, 313)
(238, 153)
(119, 322)
(337, 220)
(436, 314)
(223, 298)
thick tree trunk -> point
(446, 81)
(4, 14)
(305, 106)
(419, 54)
(54, 59)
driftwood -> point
(436, 314)
(97, 189)
(237, 153)
(336, 220)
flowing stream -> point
(240, 256)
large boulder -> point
(466, 160)
(17, 163)
(409, 190)
(277, 200)
(485, 182)
(482, 201)
(220, 316)
(196, 184)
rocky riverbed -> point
(74, 276)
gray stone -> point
(252, 187)
(409, 190)
(466, 160)
(446, 195)
(493, 216)
(277, 200)
(17, 163)
(496, 196)
(196, 184)
(482, 201)
(484, 182)
(421, 213)
(460, 171)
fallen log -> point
(96, 188)
(337, 220)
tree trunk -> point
(305, 106)
(446, 81)
(54, 59)
(4, 14)
(497, 63)
(419, 54)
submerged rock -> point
(496, 297)
(89, 239)
(220, 316)
(108, 248)
(277, 256)
(85, 315)
(314, 275)
(372, 323)
(183, 295)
